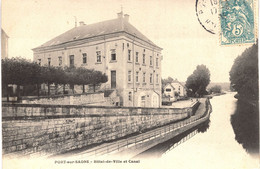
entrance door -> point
(113, 79)
(142, 101)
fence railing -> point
(137, 140)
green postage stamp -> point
(237, 22)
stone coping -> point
(58, 96)
(86, 106)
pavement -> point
(181, 103)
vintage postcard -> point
(130, 84)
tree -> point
(20, 72)
(72, 78)
(60, 77)
(97, 77)
(198, 81)
(168, 80)
(35, 77)
(215, 89)
(6, 75)
(48, 75)
(84, 76)
(244, 73)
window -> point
(157, 78)
(142, 98)
(151, 78)
(130, 96)
(71, 60)
(39, 62)
(98, 56)
(129, 55)
(113, 54)
(136, 57)
(84, 58)
(144, 59)
(151, 60)
(129, 76)
(136, 77)
(143, 77)
(157, 62)
(168, 90)
(49, 61)
(60, 60)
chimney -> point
(120, 15)
(126, 17)
(81, 23)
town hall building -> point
(130, 60)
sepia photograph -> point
(137, 84)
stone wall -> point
(76, 99)
(33, 130)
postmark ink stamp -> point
(207, 14)
(237, 22)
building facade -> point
(179, 88)
(130, 60)
(4, 44)
(174, 90)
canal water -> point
(218, 143)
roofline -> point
(5, 33)
(180, 84)
(167, 85)
(46, 47)
(144, 41)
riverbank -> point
(217, 147)
(253, 102)
(210, 96)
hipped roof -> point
(97, 29)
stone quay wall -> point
(76, 99)
(43, 130)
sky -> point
(171, 24)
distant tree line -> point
(215, 89)
(21, 72)
(244, 73)
(167, 80)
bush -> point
(215, 89)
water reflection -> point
(245, 123)
(160, 149)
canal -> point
(214, 144)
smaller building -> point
(175, 90)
